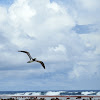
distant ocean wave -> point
(51, 93)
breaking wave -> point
(88, 93)
(51, 93)
(54, 93)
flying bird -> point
(33, 60)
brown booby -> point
(33, 60)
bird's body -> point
(30, 61)
(33, 60)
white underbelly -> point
(30, 61)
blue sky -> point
(6, 3)
(65, 34)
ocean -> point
(52, 93)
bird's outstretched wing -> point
(27, 54)
(41, 63)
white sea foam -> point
(28, 93)
(36, 93)
(98, 93)
(87, 93)
(54, 93)
(18, 94)
(50, 93)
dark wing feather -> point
(27, 54)
(41, 63)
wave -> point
(54, 93)
(28, 94)
(50, 93)
(88, 93)
(98, 93)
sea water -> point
(52, 92)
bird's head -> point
(34, 59)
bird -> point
(33, 60)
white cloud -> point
(92, 41)
(3, 16)
(45, 30)
(86, 12)
(20, 11)
(77, 72)
(59, 48)
(54, 6)
(90, 4)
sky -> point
(64, 34)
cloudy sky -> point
(65, 34)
